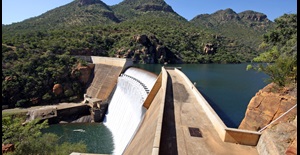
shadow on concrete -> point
(168, 141)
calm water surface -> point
(96, 136)
(228, 88)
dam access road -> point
(186, 129)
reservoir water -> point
(228, 88)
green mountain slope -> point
(76, 13)
(37, 53)
(129, 9)
(90, 27)
(244, 28)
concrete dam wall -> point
(105, 75)
(152, 104)
(104, 79)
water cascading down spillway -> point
(126, 111)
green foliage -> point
(285, 29)
(29, 140)
(245, 33)
(14, 132)
(235, 42)
(38, 52)
(281, 57)
(68, 148)
(268, 56)
(31, 78)
(283, 71)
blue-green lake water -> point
(96, 136)
(228, 88)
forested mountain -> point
(244, 28)
(129, 9)
(85, 27)
(74, 14)
(38, 52)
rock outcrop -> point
(253, 16)
(57, 89)
(148, 49)
(209, 48)
(267, 105)
(149, 7)
(7, 148)
(278, 140)
(85, 72)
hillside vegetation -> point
(38, 52)
(280, 54)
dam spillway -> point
(126, 111)
(154, 132)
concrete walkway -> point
(187, 129)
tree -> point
(28, 139)
(281, 56)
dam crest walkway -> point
(178, 123)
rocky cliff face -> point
(253, 16)
(267, 105)
(148, 50)
(228, 16)
(279, 139)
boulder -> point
(8, 78)
(267, 105)
(85, 72)
(57, 89)
(7, 148)
(280, 139)
(143, 39)
(209, 48)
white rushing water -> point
(126, 111)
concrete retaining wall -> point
(153, 91)
(120, 62)
(155, 150)
(244, 137)
(111, 61)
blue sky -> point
(19, 10)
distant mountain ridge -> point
(247, 25)
(246, 18)
(129, 9)
(76, 13)
(222, 37)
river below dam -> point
(228, 88)
(96, 136)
